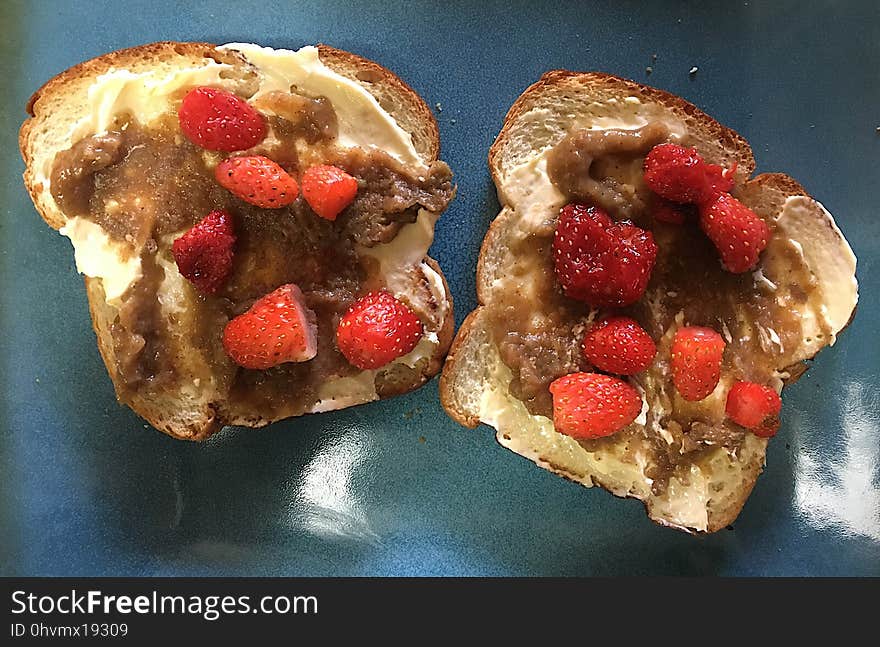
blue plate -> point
(395, 487)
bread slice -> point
(807, 255)
(375, 110)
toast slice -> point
(108, 166)
(692, 468)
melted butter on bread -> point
(822, 245)
(98, 256)
(362, 121)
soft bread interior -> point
(474, 385)
(561, 100)
(67, 108)
(144, 82)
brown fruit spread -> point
(602, 166)
(146, 185)
(605, 168)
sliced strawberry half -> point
(754, 406)
(278, 328)
(218, 120)
(681, 175)
(592, 405)
(257, 180)
(619, 345)
(204, 253)
(376, 330)
(696, 357)
(739, 234)
(328, 190)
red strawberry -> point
(680, 174)
(756, 407)
(376, 330)
(738, 232)
(328, 190)
(619, 345)
(598, 261)
(591, 405)
(696, 361)
(278, 328)
(204, 253)
(669, 212)
(258, 180)
(219, 121)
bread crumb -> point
(37, 380)
(693, 70)
(422, 439)
(653, 58)
(648, 70)
(452, 121)
(438, 106)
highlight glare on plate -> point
(841, 491)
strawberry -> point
(696, 361)
(258, 180)
(376, 330)
(738, 232)
(681, 175)
(219, 121)
(328, 190)
(754, 406)
(619, 345)
(278, 328)
(204, 253)
(592, 405)
(598, 261)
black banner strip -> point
(95, 610)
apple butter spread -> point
(146, 185)
(603, 167)
(539, 331)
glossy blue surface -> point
(396, 488)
